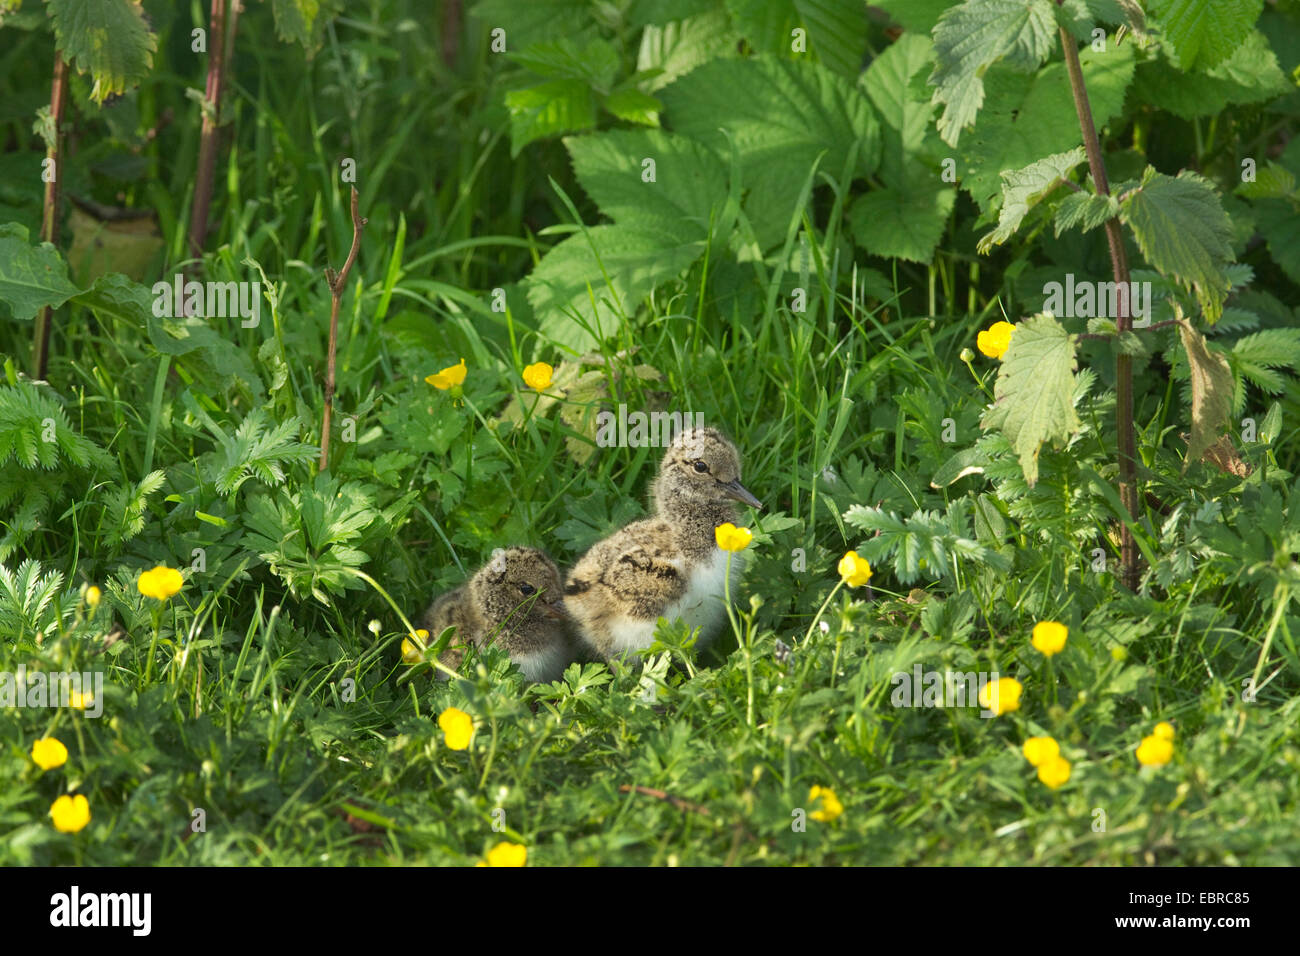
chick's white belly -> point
(701, 606)
(543, 665)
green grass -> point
(264, 695)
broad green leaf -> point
(634, 107)
(1211, 392)
(1206, 32)
(903, 224)
(1027, 118)
(1250, 75)
(918, 16)
(689, 179)
(834, 31)
(594, 63)
(1023, 189)
(782, 115)
(1033, 399)
(1272, 181)
(1183, 232)
(536, 20)
(970, 37)
(560, 106)
(677, 48)
(1279, 223)
(906, 109)
(636, 257)
(109, 39)
(31, 277)
(116, 297)
(1085, 211)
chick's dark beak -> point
(735, 489)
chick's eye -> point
(701, 467)
(527, 589)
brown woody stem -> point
(50, 209)
(211, 120)
(336, 282)
(1127, 437)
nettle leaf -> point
(903, 224)
(1206, 32)
(1028, 117)
(108, 39)
(633, 106)
(1182, 230)
(835, 31)
(536, 21)
(1250, 75)
(594, 63)
(1212, 386)
(971, 37)
(782, 115)
(560, 106)
(677, 48)
(1033, 400)
(1085, 211)
(689, 179)
(31, 277)
(906, 110)
(1024, 188)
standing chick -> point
(667, 566)
(515, 601)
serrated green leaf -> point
(1085, 210)
(689, 183)
(1250, 75)
(971, 37)
(1027, 118)
(918, 16)
(903, 224)
(31, 277)
(560, 106)
(1033, 399)
(1024, 188)
(108, 39)
(634, 107)
(1211, 392)
(1183, 232)
(536, 21)
(1271, 182)
(906, 112)
(1206, 32)
(594, 63)
(782, 115)
(677, 48)
(304, 21)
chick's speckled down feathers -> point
(514, 600)
(669, 565)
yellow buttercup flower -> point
(1055, 772)
(996, 339)
(457, 728)
(450, 376)
(538, 375)
(79, 701)
(855, 571)
(831, 806)
(1164, 730)
(49, 752)
(1002, 696)
(1155, 751)
(506, 854)
(731, 538)
(160, 582)
(1049, 637)
(70, 814)
(1041, 750)
(410, 653)
(93, 594)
